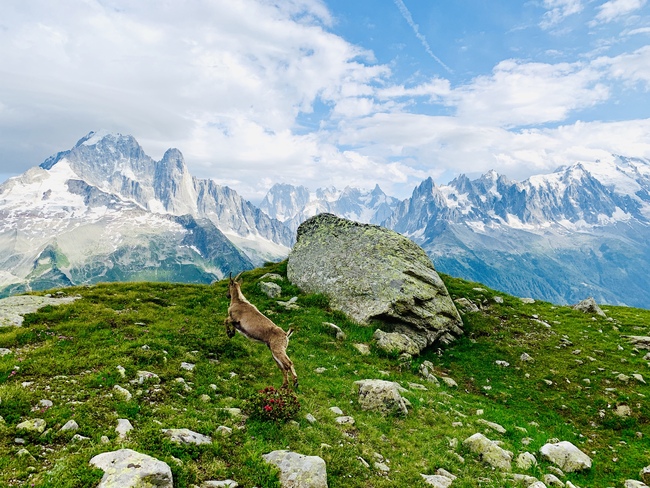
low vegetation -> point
(579, 374)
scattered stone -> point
(290, 304)
(4, 351)
(449, 382)
(336, 330)
(272, 277)
(498, 299)
(146, 376)
(552, 480)
(436, 480)
(566, 456)
(69, 425)
(623, 411)
(270, 289)
(336, 410)
(310, 418)
(298, 470)
(25, 453)
(105, 440)
(32, 425)
(623, 378)
(45, 404)
(524, 479)
(123, 428)
(205, 398)
(526, 460)
(233, 412)
(127, 468)
(589, 305)
(503, 364)
(381, 467)
(363, 349)
(500, 429)
(639, 378)
(634, 484)
(644, 474)
(537, 484)
(466, 305)
(320, 370)
(121, 370)
(79, 438)
(187, 366)
(186, 436)
(224, 431)
(525, 357)
(220, 484)
(182, 381)
(396, 343)
(417, 386)
(527, 301)
(372, 272)
(382, 396)
(489, 451)
(344, 420)
(123, 392)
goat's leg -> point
(230, 328)
(285, 364)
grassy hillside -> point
(70, 355)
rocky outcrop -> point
(127, 468)
(589, 305)
(370, 272)
(298, 470)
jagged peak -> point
(96, 137)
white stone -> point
(126, 468)
(123, 427)
(382, 396)
(123, 392)
(526, 460)
(32, 425)
(298, 470)
(489, 451)
(69, 425)
(436, 480)
(634, 484)
(186, 436)
(220, 484)
(449, 381)
(336, 410)
(187, 366)
(566, 456)
(500, 429)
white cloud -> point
(558, 10)
(520, 94)
(615, 9)
(631, 67)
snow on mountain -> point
(104, 210)
(582, 230)
(295, 204)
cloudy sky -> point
(329, 92)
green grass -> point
(71, 354)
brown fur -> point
(245, 318)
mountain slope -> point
(295, 204)
(105, 211)
(581, 231)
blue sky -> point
(331, 92)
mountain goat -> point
(244, 317)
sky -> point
(330, 92)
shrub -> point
(271, 404)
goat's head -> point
(233, 286)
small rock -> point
(489, 451)
(220, 484)
(566, 456)
(336, 330)
(310, 418)
(4, 351)
(224, 431)
(186, 436)
(449, 382)
(344, 420)
(105, 440)
(123, 392)
(498, 299)
(146, 376)
(69, 425)
(128, 469)
(298, 470)
(552, 480)
(187, 366)
(527, 301)
(526, 460)
(79, 438)
(381, 467)
(205, 398)
(320, 370)
(503, 364)
(336, 410)
(32, 425)
(639, 378)
(123, 428)
(271, 290)
(121, 370)
(492, 425)
(363, 349)
(644, 474)
(634, 484)
(623, 411)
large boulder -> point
(370, 272)
(127, 468)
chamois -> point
(244, 317)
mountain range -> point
(105, 211)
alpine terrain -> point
(580, 231)
(105, 211)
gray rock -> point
(123, 427)
(552, 480)
(298, 470)
(382, 396)
(396, 343)
(32, 425)
(494, 426)
(436, 480)
(127, 468)
(12, 309)
(79, 438)
(566, 456)
(336, 330)
(4, 351)
(634, 484)
(123, 392)
(146, 376)
(370, 272)
(220, 484)
(363, 349)
(186, 436)
(489, 451)
(272, 277)
(344, 420)
(589, 305)
(270, 289)
(526, 460)
(466, 305)
(188, 366)
(69, 425)
(640, 342)
(644, 474)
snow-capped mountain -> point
(295, 204)
(106, 211)
(582, 230)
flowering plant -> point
(271, 404)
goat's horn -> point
(237, 277)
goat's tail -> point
(289, 332)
